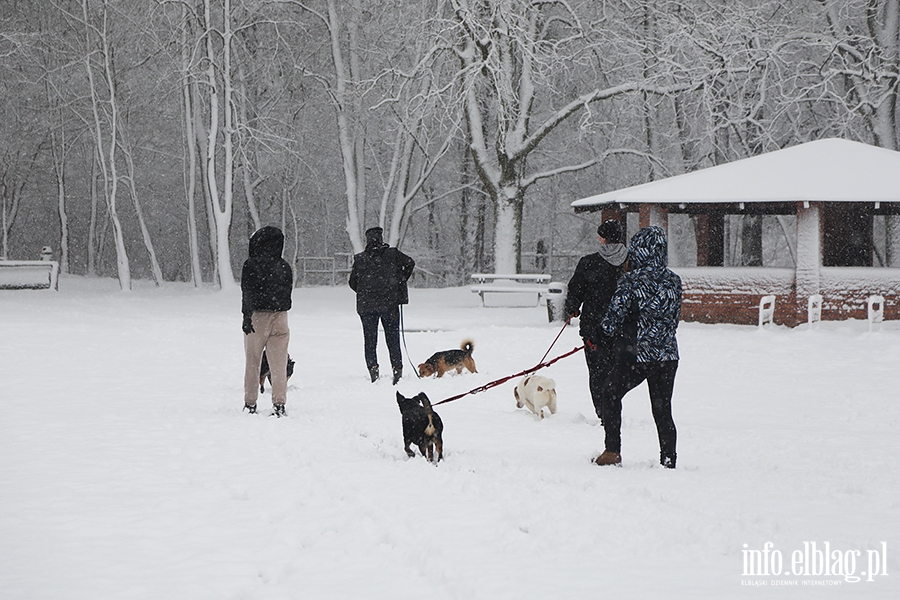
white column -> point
(809, 250)
(892, 226)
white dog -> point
(536, 392)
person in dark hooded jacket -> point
(379, 277)
(589, 292)
(266, 285)
(648, 298)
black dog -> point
(421, 426)
(265, 373)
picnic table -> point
(515, 283)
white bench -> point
(517, 283)
(29, 274)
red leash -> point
(491, 384)
(538, 366)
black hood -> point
(374, 239)
(267, 242)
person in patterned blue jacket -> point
(645, 310)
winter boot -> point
(279, 411)
(250, 408)
(373, 373)
(398, 373)
(667, 461)
(609, 458)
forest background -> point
(150, 138)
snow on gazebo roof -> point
(830, 170)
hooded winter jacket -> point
(266, 279)
(378, 277)
(651, 294)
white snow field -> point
(128, 469)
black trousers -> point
(390, 322)
(660, 377)
(600, 363)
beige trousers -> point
(271, 333)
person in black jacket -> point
(379, 278)
(266, 285)
(590, 290)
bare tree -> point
(510, 52)
(98, 65)
(218, 36)
(385, 90)
(861, 73)
(19, 154)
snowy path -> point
(129, 471)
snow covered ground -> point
(127, 469)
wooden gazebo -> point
(834, 187)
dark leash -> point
(537, 367)
(566, 324)
(403, 335)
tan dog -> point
(448, 360)
(536, 392)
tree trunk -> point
(222, 207)
(349, 139)
(508, 234)
(142, 223)
(249, 183)
(92, 244)
(107, 161)
(202, 143)
(59, 163)
(190, 150)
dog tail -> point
(426, 404)
(467, 346)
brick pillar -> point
(610, 213)
(654, 214)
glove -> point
(575, 314)
(247, 325)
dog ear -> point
(400, 397)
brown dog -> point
(447, 360)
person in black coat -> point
(590, 290)
(379, 277)
(266, 285)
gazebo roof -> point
(830, 170)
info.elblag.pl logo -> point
(813, 560)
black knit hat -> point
(611, 231)
(374, 238)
